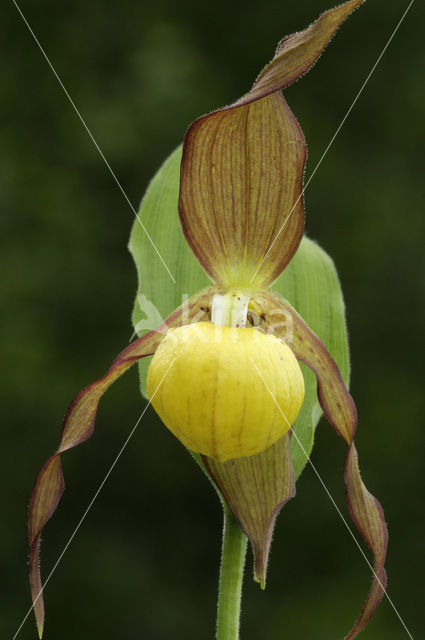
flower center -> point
(230, 309)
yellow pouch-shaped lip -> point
(203, 384)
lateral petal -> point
(78, 426)
(339, 408)
(334, 397)
(242, 170)
(369, 518)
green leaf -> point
(309, 283)
(158, 213)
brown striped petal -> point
(256, 488)
(369, 517)
(297, 53)
(334, 398)
(241, 205)
(78, 426)
(339, 408)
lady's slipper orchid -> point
(225, 377)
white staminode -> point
(230, 309)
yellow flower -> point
(210, 398)
(225, 378)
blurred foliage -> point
(145, 562)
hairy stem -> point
(231, 577)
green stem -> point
(231, 577)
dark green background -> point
(145, 562)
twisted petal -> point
(367, 513)
(255, 489)
(242, 168)
(78, 426)
(338, 407)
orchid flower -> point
(225, 375)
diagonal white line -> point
(83, 517)
(93, 140)
(332, 500)
(333, 138)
